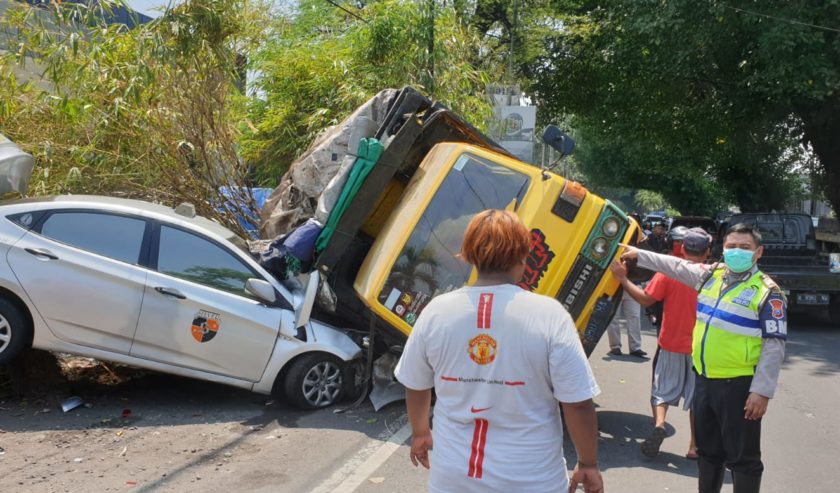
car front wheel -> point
(15, 332)
(315, 381)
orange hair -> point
(495, 241)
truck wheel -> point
(315, 380)
(15, 332)
(834, 310)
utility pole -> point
(512, 44)
(429, 35)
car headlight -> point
(600, 247)
(610, 227)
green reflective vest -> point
(727, 334)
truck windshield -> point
(428, 264)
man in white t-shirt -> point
(499, 358)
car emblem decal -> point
(482, 349)
(205, 325)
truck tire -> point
(834, 310)
(15, 332)
(315, 380)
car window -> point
(791, 231)
(187, 256)
(771, 232)
(117, 237)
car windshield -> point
(707, 225)
(428, 264)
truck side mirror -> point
(558, 140)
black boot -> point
(745, 483)
(710, 478)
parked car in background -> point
(707, 224)
(792, 259)
(653, 218)
(161, 288)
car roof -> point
(115, 203)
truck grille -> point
(579, 285)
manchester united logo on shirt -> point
(482, 349)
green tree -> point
(705, 102)
(321, 63)
(150, 112)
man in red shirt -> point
(673, 376)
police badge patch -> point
(745, 297)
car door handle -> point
(41, 252)
(170, 292)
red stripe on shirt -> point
(514, 383)
(485, 310)
(477, 456)
(448, 379)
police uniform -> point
(737, 349)
(733, 321)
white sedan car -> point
(141, 284)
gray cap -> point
(697, 240)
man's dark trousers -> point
(724, 436)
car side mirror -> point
(261, 289)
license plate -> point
(812, 299)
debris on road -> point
(70, 403)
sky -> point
(148, 6)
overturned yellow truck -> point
(395, 244)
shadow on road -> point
(811, 337)
(621, 434)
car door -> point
(81, 270)
(196, 312)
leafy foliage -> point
(705, 102)
(320, 64)
(146, 112)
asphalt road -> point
(183, 435)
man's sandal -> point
(650, 447)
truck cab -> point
(396, 246)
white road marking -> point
(367, 460)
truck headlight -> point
(610, 227)
(600, 247)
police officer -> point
(738, 346)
